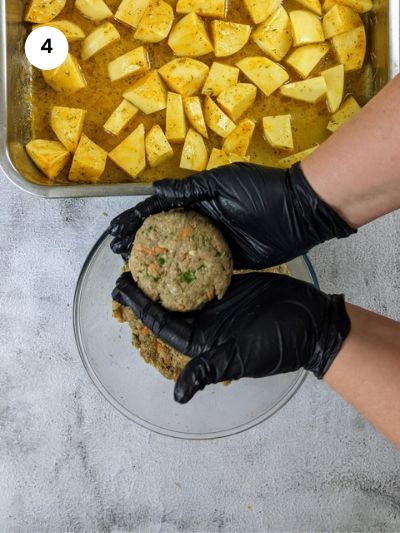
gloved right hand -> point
(268, 215)
(266, 324)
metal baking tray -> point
(15, 86)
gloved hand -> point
(267, 215)
(266, 324)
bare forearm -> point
(357, 170)
(367, 370)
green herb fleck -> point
(161, 259)
(188, 277)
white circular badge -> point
(46, 48)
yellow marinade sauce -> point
(101, 97)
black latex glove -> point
(267, 215)
(266, 324)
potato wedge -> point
(334, 79)
(156, 22)
(260, 10)
(184, 75)
(339, 20)
(312, 5)
(130, 154)
(158, 149)
(216, 119)
(229, 37)
(306, 27)
(67, 78)
(236, 100)
(278, 131)
(312, 90)
(67, 124)
(148, 94)
(347, 110)
(238, 141)
(219, 158)
(42, 11)
(89, 161)
(274, 36)
(219, 78)
(350, 48)
(175, 129)
(290, 160)
(96, 10)
(49, 156)
(264, 73)
(327, 5)
(120, 117)
(361, 6)
(134, 62)
(305, 58)
(131, 11)
(194, 153)
(195, 115)
(189, 37)
(72, 31)
(204, 8)
(99, 39)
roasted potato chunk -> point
(134, 62)
(131, 11)
(96, 10)
(148, 94)
(229, 37)
(205, 8)
(260, 10)
(175, 130)
(304, 59)
(67, 78)
(347, 110)
(334, 79)
(350, 48)
(264, 73)
(184, 75)
(99, 39)
(195, 115)
(120, 117)
(306, 27)
(42, 11)
(236, 100)
(278, 131)
(67, 124)
(311, 90)
(340, 19)
(327, 5)
(274, 36)
(361, 6)
(156, 22)
(194, 153)
(89, 161)
(291, 160)
(189, 37)
(130, 155)
(216, 119)
(49, 156)
(219, 158)
(72, 31)
(239, 140)
(158, 149)
(312, 5)
(220, 77)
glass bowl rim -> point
(144, 423)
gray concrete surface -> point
(70, 462)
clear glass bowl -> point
(139, 392)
